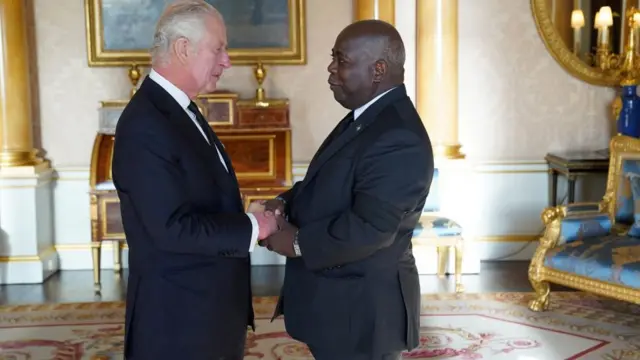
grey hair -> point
(182, 19)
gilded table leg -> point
(459, 249)
(96, 244)
(96, 252)
(443, 255)
(541, 302)
(539, 284)
(117, 257)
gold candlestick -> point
(630, 68)
(134, 77)
(260, 73)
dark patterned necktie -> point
(201, 121)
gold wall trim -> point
(508, 238)
(536, 171)
(29, 258)
(510, 162)
(300, 168)
(384, 10)
(108, 245)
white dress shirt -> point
(357, 112)
(183, 100)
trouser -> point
(331, 354)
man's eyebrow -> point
(338, 52)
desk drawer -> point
(108, 218)
(271, 117)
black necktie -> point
(201, 121)
(344, 124)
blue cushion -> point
(579, 225)
(624, 196)
(437, 226)
(612, 258)
(634, 180)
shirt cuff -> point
(255, 230)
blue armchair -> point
(595, 247)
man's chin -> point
(211, 87)
(339, 97)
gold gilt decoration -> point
(384, 10)
(261, 101)
(622, 147)
(134, 77)
(98, 55)
(16, 127)
(260, 74)
(563, 55)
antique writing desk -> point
(571, 165)
(256, 135)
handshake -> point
(275, 233)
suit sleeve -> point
(287, 195)
(150, 179)
(391, 178)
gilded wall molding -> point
(384, 10)
(561, 53)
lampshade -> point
(577, 19)
(606, 16)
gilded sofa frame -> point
(540, 277)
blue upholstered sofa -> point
(595, 247)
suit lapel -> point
(332, 135)
(330, 147)
(220, 147)
(225, 156)
(186, 126)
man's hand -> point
(256, 206)
(282, 241)
(267, 223)
(274, 205)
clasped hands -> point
(276, 234)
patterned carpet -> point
(468, 327)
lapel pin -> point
(358, 127)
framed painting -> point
(120, 32)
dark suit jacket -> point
(189, 294)
(355, 289)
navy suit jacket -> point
(355, 288)
(189, 291)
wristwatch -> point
(284, 204)
(296, 246)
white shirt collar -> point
(180, 96)
(357, 112)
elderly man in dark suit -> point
(189, 290)
(351, 289)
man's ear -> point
(380, 68)
(181, 48)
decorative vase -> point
(629, 118)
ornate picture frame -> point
(119, 32)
